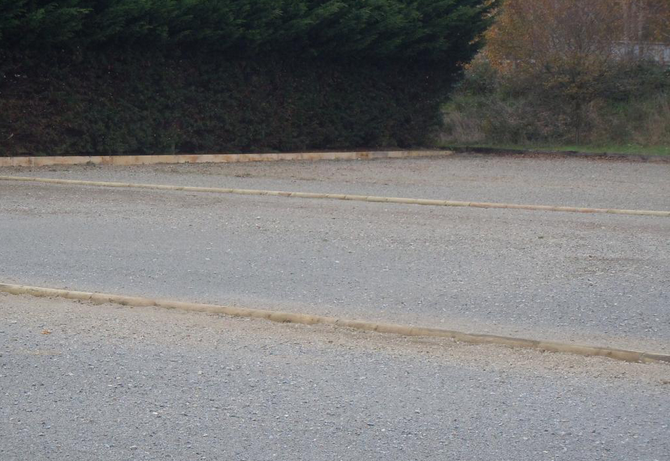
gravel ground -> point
(543, 181)
(597, 279)
(82, 382)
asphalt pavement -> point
(596, 279)
(536, 181)
(82, 382)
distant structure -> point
(654, 51)
(646, 33)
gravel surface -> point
(541, 181)
(82, 382)
(597, 279)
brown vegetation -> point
(565, 71)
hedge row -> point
(139, 103)
(159, 76)
(426, 29)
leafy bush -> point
(490, 107)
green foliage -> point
(156, 76)
(438, 30)
(150, 103)
(632, 107)
(37, 23)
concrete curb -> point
(305, 319)
(129, 160)
(357, 198)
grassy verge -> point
(608, 149)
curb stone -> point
(306, 319)
(133, 160)
(357, 198)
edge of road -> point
(511, 152)
(349, 197)
(136, 160)
(306, 319)
(132, 160)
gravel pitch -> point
(82, 382)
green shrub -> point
(489, 108)
(145, 103)
(154, 76)
(438, 30)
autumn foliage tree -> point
(645, 20)
(561, 50)
(576, 71)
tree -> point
(645, 20)
(427, 30)
(84, 76)
(562, 50)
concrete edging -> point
(350, 197)
(306, 319)
(129, 160)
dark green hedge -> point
(159, 76)
(439, 30)
(151, 104)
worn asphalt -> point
(536, 181)
(82, 382)
(595, 279)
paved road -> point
(542, 181)
(597, 279)
(82, 382)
